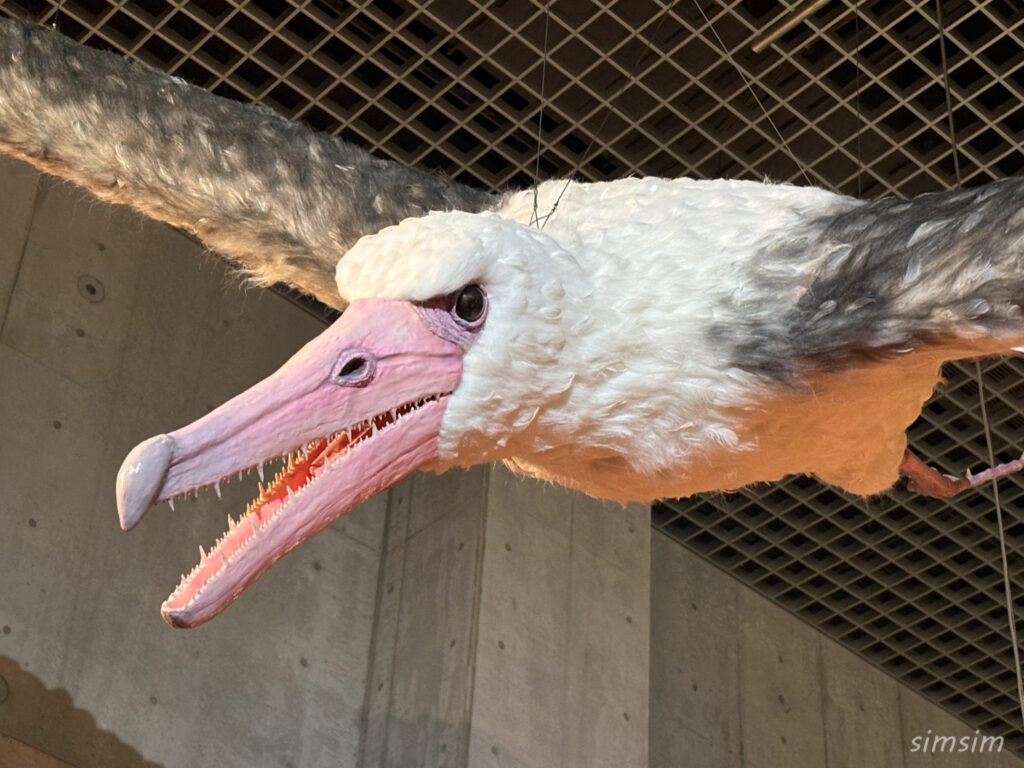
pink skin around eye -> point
(439, 316)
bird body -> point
(614, 356)
(598, 372)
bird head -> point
(443, 357)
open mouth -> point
(310, 415)
(278, 519)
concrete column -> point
(512, 628)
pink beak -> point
(353, 412)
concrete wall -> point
(562, 656)
(738, 681)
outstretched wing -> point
(275, 197)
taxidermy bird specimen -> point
(654, 338)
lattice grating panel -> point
(913, 584)
(455, 85)
(643, 86)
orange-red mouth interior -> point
(301, 468)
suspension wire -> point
(534, 219)
(949, 92)
(1007, 587)
(860, 117)
(750, 87)
(608, 111)
(1007, 590)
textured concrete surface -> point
(421, 684)
(737, 681)
(561, 663)
(512, 627)
(114, 329)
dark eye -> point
(470, 303)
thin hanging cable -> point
(747, 82)
(860, 117)
(1007, 591)
(949, 93)
(1007, 588)
(608, 111)
(534, 220)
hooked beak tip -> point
(140, 478)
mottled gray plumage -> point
(277, 198)
(885, 278)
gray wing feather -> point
(277, 198)
(886, 278)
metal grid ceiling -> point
(856, 91)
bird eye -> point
(470, 303)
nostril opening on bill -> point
(355, 368)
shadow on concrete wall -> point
(47, 719)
